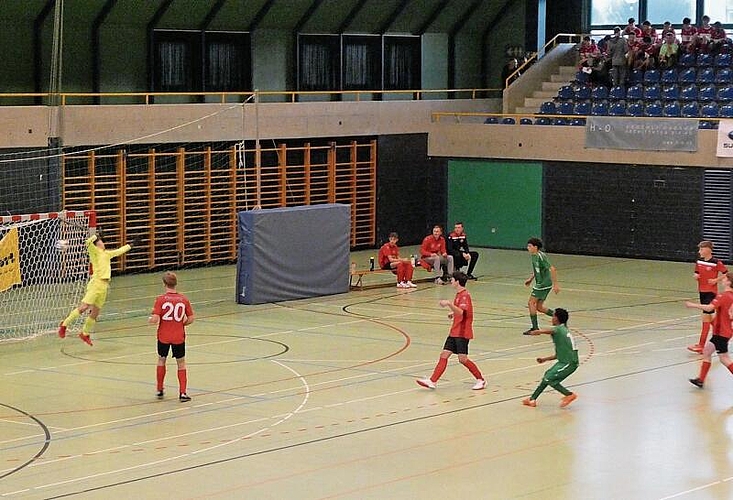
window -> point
(175, 61)
(319, 63)
(227, 62)
(613, 12)
(719, 10)
(361, 59)
(659, 11)
(401, 63)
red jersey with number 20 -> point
(463, 324)
(172, 309)
(721, 323)
(708, 270)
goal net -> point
(44, 268)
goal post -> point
(44, 268)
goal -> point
(44, 268)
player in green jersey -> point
(544, 276)
(566, 355)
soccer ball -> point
(62, 245)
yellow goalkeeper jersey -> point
(101, 259)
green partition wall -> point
(499, 202)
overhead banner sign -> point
(658, 134)
(9, 260)
(725, 139)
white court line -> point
(681, 493)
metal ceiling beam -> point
(458, 26)
(260, 15)
(96, 52)
(432, 17)
(211, 15)
(393, 17)
(351, 15)
(307, 15)
(37, 46)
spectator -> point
(687, 35)
(433, 255)
(667, 28)
(668, 52)
(389, 259)
(648, 30)
(631, 28)
(703, 35)
(508, 71)
(589, 54)
(459, 249)
(718, 38)
(617, 49)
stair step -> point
(526, 110)
(568, 70)
(544, 94)
(552, 86)
(534, 102)
(560, 78)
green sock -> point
(539, 390)
(88, 326)
(71, 317)
(550, 312)
(533, 319)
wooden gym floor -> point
(316, 398)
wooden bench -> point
(359, 274)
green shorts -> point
(96, 294)
(541, 294)
(559, 372)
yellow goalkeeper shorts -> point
(96, 294)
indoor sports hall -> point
(139, 138)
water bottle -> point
(353, 267)
(371, 263)
(412, 260)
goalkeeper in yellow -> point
(96, 293)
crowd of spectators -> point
(609, 60)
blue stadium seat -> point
(599, 92)
(565, 107)
(599, 108)
(704, 60)
(686, 60)
(491, 120)
(669, 76)
(690, 110)
(672, 109)
(704, 124)
(525, 121)
(617, 108)
(670, 92)
(652, 92)
(651, 76)
(566, 92)
(688, 93)
(688, 75)
(581, 77)
(635, 109)
(710, 110)
(577, 122)
(582, 108)
(653, 109)
(707, 93)
(559, 121)
(635, 76)
(726, 111)
(723, 60)
(705, 75)
(548, 108)
(723, 76)
(542, 120)
(583, 92)
(617, 93)
(725, 93)
(508, 120)
(635, 92)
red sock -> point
(473, 369)
(730, 367)
(160, 376)
(704, 333)
(439, 369)
(182, 381)
(704, 369)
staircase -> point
(548, 90)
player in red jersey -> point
(687, 34)
(703, 35)
(434, 255)
(461, 332)
(708, 272)
(172, 312)
(389, 258)
(722, 330)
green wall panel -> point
(500, 203)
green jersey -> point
(565, 349)
(541, 269)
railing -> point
(458, 116)
(182, 205)
(70, 98)
(536, 56)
